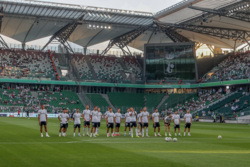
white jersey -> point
(105, 114)
(118, 117)
(188, 117)
(94, 116)
(42, 113)
(99, 117)
(176, 119)
(127, 116)
(77, 117)
(145, 116)
(167, 119)
(133, 116)
(156, 116)
(86, 114)
(110, 117)
(64, 118)
(139, 117)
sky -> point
(152, 6)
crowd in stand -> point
(234, 67)
(23, 64)
(203, 98)
(21, 98)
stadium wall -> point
(142, 86)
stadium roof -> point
(27, 20)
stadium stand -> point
(60, 100)
(234, 67)
(132, 64)
(97, 100)
(175, 99)
(107, 67)
(82, 68)
(26, 64)
(125, 100)
(9, 97)
(153, 99)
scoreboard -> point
(170, 61)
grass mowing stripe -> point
(20, 143)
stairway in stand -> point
(53, 64)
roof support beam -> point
(238, 15)
(64, 33)
(2, 42)
(25, 38)
(223, 33)
(123, 40)
(172, 34)
(235, 7)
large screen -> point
(170, 61)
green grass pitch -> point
(21, 145)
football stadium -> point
(125, 83)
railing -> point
(75, 49)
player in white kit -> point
(110, 122)
(63, 118)
(176, 120)
(94, 118)
(118, 121)
(188, 122)
(167, 121)
(127, 122)
(139, 127)
(133, 124)
(99, 118)
(77, 122)
(145, 121)
(156, 123)
(86, 118)
(43, 120)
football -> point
(169, 139)
(166, 139)
(219, 137)
(175, 139)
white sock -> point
(47, 133)
(179, 133)
(132, 131)
(88, 130)
(146, 131)
(84, 130)
(188, 133)
(41, 133)
(97, 129)
(155, 133)
(158, 133)
(166, 133)
(143, 132)
(184, 133)
(79, 133)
